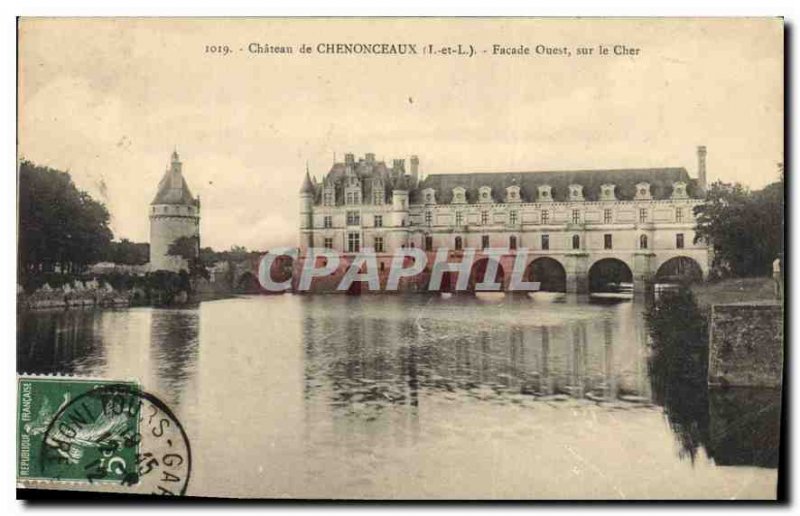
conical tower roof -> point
(308, 186)
(172, 189)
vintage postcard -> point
(401, 258)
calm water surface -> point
(497, 397)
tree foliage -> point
(744, 228)
(126, 252)
(61, 228)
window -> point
(328, 243)
(484, 217)
(428, 197)
(327, 221)
(459, 244)
(643, 242)
(353, 242)
(576, 242)
(378, 197)
(642, 214)
(607, 216)
(428, 243)
(576, 216)
(545, 242)
(512, 217)
(679, 240)
(428, 218)
(484, 241)
(356, 197)
(353, 218)
(678, 214)
(512, 242)
(459, 218)
(378, 221)
(378, 244)
(545, 216)
(607, 242)
(327, 199)
(349, 197)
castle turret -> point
(174, 213)
(306, 214)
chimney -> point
(701, 167)
(414, 166)
(370, 157)
(399, 165)
(349, 159)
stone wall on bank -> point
(746, 344)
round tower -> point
(174, 213)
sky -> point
(109, 99)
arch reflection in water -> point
(363, 355)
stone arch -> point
(549, 272)
(478, 272)
(680, 269)
(606, 275)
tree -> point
(187, 247)
(744, 228)
(126, 252)
(61, 228)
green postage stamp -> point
(74, 429)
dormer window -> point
(512, 194)
(459, 195)
(429, 196)
(643, 191)
(575, 192)
(679, 190)
(545, 193)
(485, 194)
(607, 192)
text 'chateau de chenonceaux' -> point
(582, 229)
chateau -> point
(583, 228)
(174, 213)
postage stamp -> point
(100, 432)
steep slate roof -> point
(172, 189)
(660, 179)
(367, 172)
(308, 186)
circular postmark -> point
(118, 434)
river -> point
(545, 397)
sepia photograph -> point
(396, 259)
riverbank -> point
(734, 290)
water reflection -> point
(365, 396)
(735, 426)
(377, 352)
(174, 341)
(158, 347)
(64, 341)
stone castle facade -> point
(642, 218)
(174, 213)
